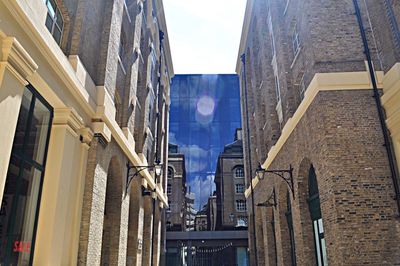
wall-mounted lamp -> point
(286, 175)
(129, 177)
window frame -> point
(241, 205)
(239, 191)
(240, 170)
(57, 16)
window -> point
(316, 218)
(239, 172)
(271, 34)
(239, 188)
(302, 86)
(241, 221)
(277, 89)
(295, 41)
(170, 173)
(169, 189)
(289, 220)
(54, 20)
(241, 205)
(21, 199)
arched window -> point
(289, 220)
(239, 172)
(170, 173)
(316, 218)
(54, 20)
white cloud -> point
(202, 187)
(196, 158)
(204, 35)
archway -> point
(286, 226)
(112, 214)
(135, 227)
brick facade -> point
(298, 117)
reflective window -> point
(239, 172)
(316, 217)
(204, 115)
(241, 205)
(20, 203)
(239, 188)
(54, 20)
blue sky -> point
(204, 34)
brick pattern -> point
(339, 135)
(113, 227)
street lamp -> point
(138, 169)
(285, 174)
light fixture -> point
(285, 175)
(129, 177)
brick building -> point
(176, 189)
(230, 186)
(309, 101)
(84, 90)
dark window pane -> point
(49, 22)
(59, 19)
(38, 133)
(57, 35)
(22, 122)
(21, 223)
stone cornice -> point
(13, 53)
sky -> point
(204, 35)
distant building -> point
(201, 220)
(230, 186)
(176, 189)
(190, 212)
(212, 212)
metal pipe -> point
(243, 58)
(158, 159)
(388, 146)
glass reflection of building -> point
(205, 111)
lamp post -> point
(243, 59)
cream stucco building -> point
(84, 91)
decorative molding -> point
(13, 53)
(68, 116)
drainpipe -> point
(243, 58)
(381, 114)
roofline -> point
(166, 38)
(245, 32)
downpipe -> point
(385, 131)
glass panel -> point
(325, 258)
(22, 122)
(59, 19)
(57, 35)
(316, 240)
(49, 23)
(51, 7)
(38, 134)
(18, 229)
(320, 226)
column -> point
(147, 230)
(63, 185)
(16, 66)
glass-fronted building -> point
(205, 112)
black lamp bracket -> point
(285, 174)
